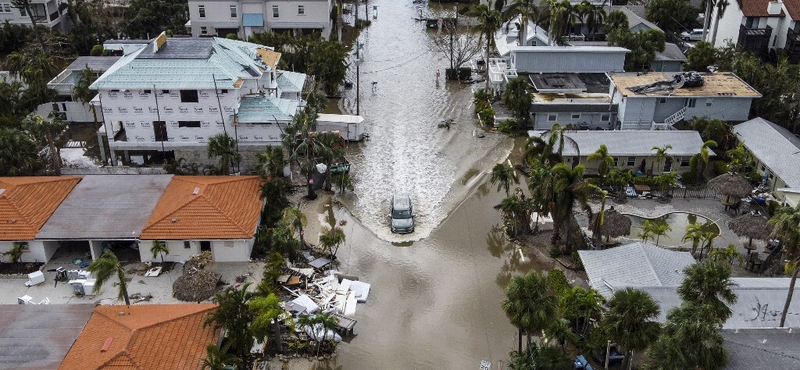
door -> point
(205, 245)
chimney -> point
(774, 7)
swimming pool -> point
(677, 221)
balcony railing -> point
(793, 45)
(755, 39)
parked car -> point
(693, 35)
(402, 214)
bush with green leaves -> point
(507, 126)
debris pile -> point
(196, 284)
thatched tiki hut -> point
(752, 226)
(614, 224)
(732, 186)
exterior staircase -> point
(669, 122)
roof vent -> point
(174, 220)
(108, 341)
(2, 191)
(12, 221)
(196, 191)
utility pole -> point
(358, 64)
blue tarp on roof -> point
(253, 20)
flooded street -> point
(436, 293)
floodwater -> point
(436, 293)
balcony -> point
(793, 46)
(755, 39)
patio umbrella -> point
(752, 226)
(730, 185)
(615, 224)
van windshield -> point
(401, 213)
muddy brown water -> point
(436, 293)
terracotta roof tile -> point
(793, 6)
(27, 202)
(225, 207)
(151, 337)
(758, 8)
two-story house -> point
(658, 100)
(45, 13)
(759, 26)
(165, 98)
(246, 17)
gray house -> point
(578, 99)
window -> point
(662, 101)
(709, 102)
(205, 245)
(195, 124)
(576, 116)
(301, 10)
(552, 117)
(223, 91)
(685, 161)
(187, 245)
(189, 96)
(605, 117)
(275, 13)
(202, 9)
(631, 161)
(147, 91)
(160, 130)
(751, 22)
(233, 11)
(22, 12)
(167, 91)
(691, 103)
(7, 8)
(203, 31)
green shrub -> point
(576, 259)
(772, 207)
(508, 126)
(486, 115)
(97, 50)
(555, 252)
(558, 281)
(688, 177)
(721, 168)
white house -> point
(65, 104)
(45, 13)
(759, 26)
(246, 17)
(166, 97)
(776, 154)
(658, 100)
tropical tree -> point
(701, 159)
(331, 240)
(660, 229)
(18, 152)
(606, 161)
(15, 253)
(343, 181)
(629, 321)
(568, 187)
(503, 176)
(529, 304)
(296, 220)
(709, 283)
(219, 359)
(738, 158)
(224, 147)
(786, 227)
(671, 15)
(727, 255)
(579, 305)
(642, 44)
(528, 11)
(106, 266)
(699, 57)
(696, 233)
(661, 154)
(615, 20)
(594, 16)
(540, 185)
(26, 5)
(489, 21)
(234, 314)
(562, 17)
(332, 150)
(267, 314)
(271, 162)
(49, 129)
(159, 248)
(273, 191)
(517, 209)
(647, 231)
(517, 98)
(539, 358)
(689, 341)
(320, 326)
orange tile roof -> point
(225, 207)
(151, 337)
(758, 8)
(27, 202)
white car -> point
(693, 35)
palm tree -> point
(81, 91)
(702, 159)
(503, 176)
(629, 321)
(271, 162)
(529, 304)
(549, 147)
(647, 231)
(48, 128)
(709, 283)
(661, 154)
(296, 220)
(579, 305)
(569, 188)
(219, 359)
(233, 313)
(343, 181)
(26, 5)
(595, 17)
(15, 253)
(606, 161)
(331, 240)
(787, 229)
(540, 185)
(689, 341)
(267, 313)
(18, 153)
(660, 229)
(562, 17)
(694, 232)
(333, 145)
(224, 147)
(489, 21)
(159, 248)
(106, 266)
(527, 10)
(727, 255)
(560, 330)
(539, 358)
(328, 322)
(518, 208)
(615, 20)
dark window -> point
(692, 102)
(189, 96)
(165, 91)
(205, 245)
(189, 124)
(631, 161)
(160, 130)
(147, 91)
(187, 245)
(202, 10)
(223, 91)
(751, 22)
(685, 161)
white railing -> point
(669, 122)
